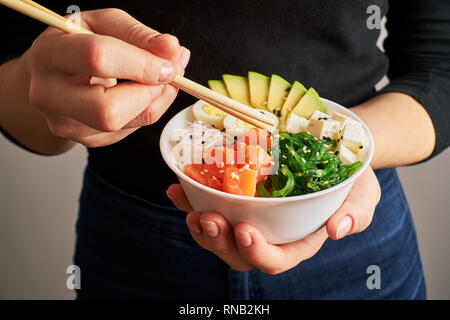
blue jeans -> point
(129, 248)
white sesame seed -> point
(206, 170)
(202, 172)
(221, 171)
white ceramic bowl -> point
(281, 220)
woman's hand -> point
(244, 247)
(72, 77)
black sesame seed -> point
(338, 140)
(360, 147)
(325, 118)
(203, 161)
(190, 136)
(213, 126)
(261, 111)
(222, 130)
(279, 113)
(319, 119)
(235, 137)
(274, 111)
(336, 152)
(203, 142)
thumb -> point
(176, 195)
(356, 213)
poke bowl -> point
(281, 219)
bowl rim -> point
(317, 194)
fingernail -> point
(244, 238)
(185, 58)
(344, 226)
(166, 73)
(210, 228)
(194, 228)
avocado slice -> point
(218, 86)
(237, 87)
(259, 89)
(295, 94)
(308, 104)
(278, 91)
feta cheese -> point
(353, 136)
(295, 124)
(324, 128)
(318, 114)
(345, 154)
(343, 119)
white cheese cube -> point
(343, 119)
(320, 115)
(345, 154)
(324, 129)
(295, 124)
(353, 136)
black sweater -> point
(324, 44)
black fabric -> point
(322, 43)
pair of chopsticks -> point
(230, 106)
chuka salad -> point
(307, 150)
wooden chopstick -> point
(230, 106)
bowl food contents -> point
(308, 150)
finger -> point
(68, 128)
(156, 109)
(178, 197)
(104, 138)
(213, 233)
(101, 56)
(356, 212)
(163, 45)
(119, 24)
(104, 109)
(181, 60)
(274, 259)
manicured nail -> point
(344, 226)
(244, 238)
(185, 58)
(166, 73)
(210, 228)
(194, 228)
